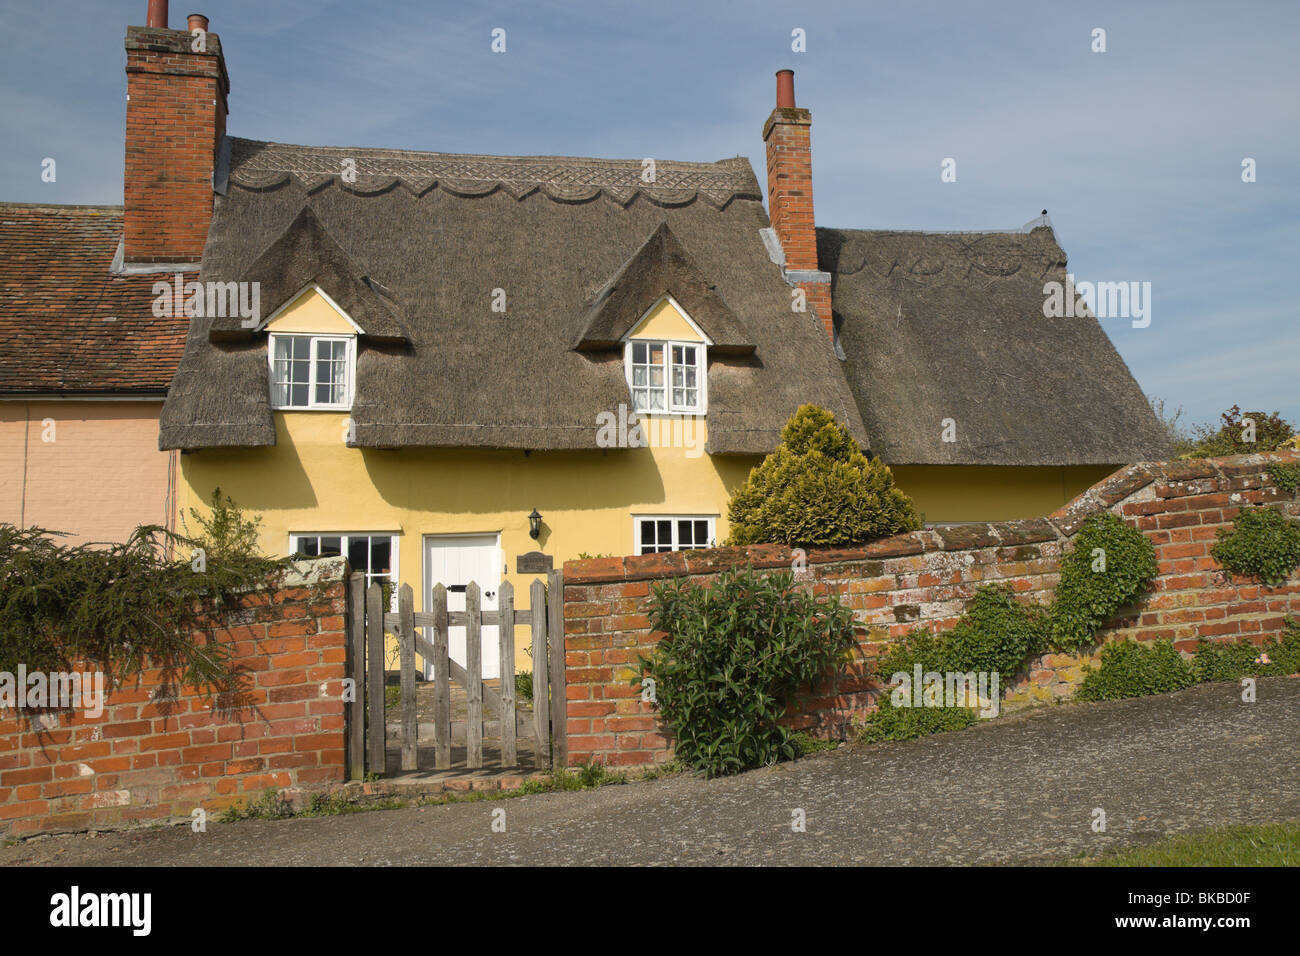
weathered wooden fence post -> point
(474, 665)
(506, 632)
(441, 681)
(541, 699)
(355, 710)
(375, 732)
(555, 638)
(406, 640)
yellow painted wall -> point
(952, 493)
(309, 312)
(664, 321)
(310, 481)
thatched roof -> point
(304, 254)
(659, 266)
(435, 235)
(950, 325)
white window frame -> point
(349, 364)
(394, 546)
(636, 531)
(701, 366)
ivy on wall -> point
(1110, 565)
(1262, 543)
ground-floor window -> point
(654, 533)
(373, 554)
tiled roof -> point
(67, 324)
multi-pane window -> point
(311, 371)
(666, 376)
(656, 533)
(373, 554)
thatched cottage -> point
(437, 363)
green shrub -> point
(1215, 661)
(1263, 544)
(1286, 477)
(1087, 595)
(733, 655)
(818, 488)
(997, 634)
(905, 723)
(1133, 669)
(1271, 433)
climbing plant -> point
(1110, 564)
(1286, 477)
(1262, 543)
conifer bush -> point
(126, 606)
(818, 488)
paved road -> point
(1022, 789)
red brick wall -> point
(925, 578)
(147, 760)
(175, 119)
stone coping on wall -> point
(1168, 479)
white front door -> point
(454, 560)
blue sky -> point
(1135, 152)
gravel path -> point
(1020, 789)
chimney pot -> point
(785, 89)
(198, 21)
(157, 15)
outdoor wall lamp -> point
(534, 524)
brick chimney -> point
(790, 196)
(176, 88)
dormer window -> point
(666, 376)
(312, 371)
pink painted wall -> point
(97, 472)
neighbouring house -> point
(439, 364)
(84, 368)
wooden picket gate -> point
(366, 722)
